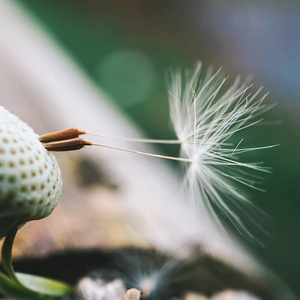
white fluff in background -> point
(225, 295)
(90, 289)
(234, 295)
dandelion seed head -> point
(30, 178)
(205, 117)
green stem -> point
(34, 285)
(6, 255)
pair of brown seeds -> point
(64, 140)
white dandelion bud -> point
(30, 179)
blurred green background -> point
(126, 47)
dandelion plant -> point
(205, 116)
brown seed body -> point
(65, 134)
(67, 145)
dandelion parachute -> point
(205, 116)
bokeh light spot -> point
(128, 76)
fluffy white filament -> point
(205, 116)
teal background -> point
(126, 47)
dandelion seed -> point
(205, 116)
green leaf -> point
(44, 285)
(12, 289)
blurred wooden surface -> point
(127, 199)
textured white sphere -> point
(30, 179)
